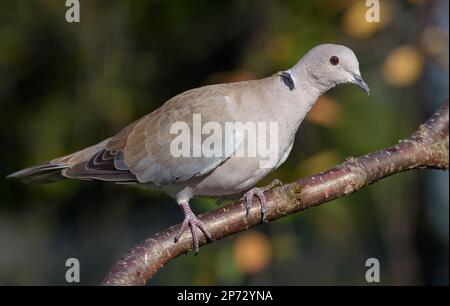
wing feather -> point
(147, 150)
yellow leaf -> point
(403, 66)
(356, 25)
(326, 112)
(252, 252)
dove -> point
(147, 152)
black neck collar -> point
(287, 80)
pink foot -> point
(248, 197)
(193, 222)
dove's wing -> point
(142, 151)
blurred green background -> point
(66, 86)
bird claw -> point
(248, 197)
(192, 221)
(259, 192)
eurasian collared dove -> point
(145, 153)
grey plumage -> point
(140, 153)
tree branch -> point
(426, 148)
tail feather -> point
(52, 171)
(44, 173)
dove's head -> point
(328, 65)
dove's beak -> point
(358, 80)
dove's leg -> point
(193, 222)
(259, 193)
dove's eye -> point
(334, 60)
